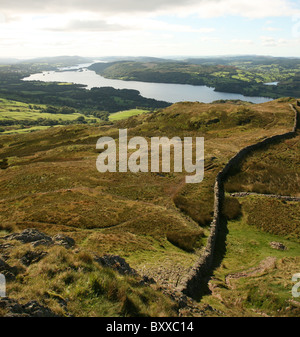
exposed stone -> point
(63, 240)
(42, 243)
(146, 280)
(8, 271)
(32, 257)
(4, 251)
(30, 309)
(278, 245)
(36, 238)
(5, 246)
(117, 263)
(28, 236)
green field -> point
(22, 111)
(30, 117)
(126, 114)
(253, 290)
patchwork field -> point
(16, 117)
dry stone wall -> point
(200, 272)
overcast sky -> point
(32, 28)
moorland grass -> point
(49, 181)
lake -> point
(160, 91)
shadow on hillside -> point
(219, 255)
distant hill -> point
(132, 58)
(250, 59)
(63, 60)
(8, 60)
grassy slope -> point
(51, 183)
(126, 114)
(261, 220)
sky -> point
(161, 28)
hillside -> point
(243, 75)
(49, 182)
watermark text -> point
(185, 159)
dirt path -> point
(264, 265)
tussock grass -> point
(274, 170)
(73, 284)
(231, 208)
(274, 216)
(51, 183)
(187, 242)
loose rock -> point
(117, 263)
(28, 236)
(30, 309)
(32, 257)
(278, 245)
(63, 240)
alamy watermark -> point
(158, 151)
(2, 286)
(296, 287)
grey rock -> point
(146, 280)
(41, 243)
(28, 236)
(278, 245)
(8, 271)
(32, 257)
(30, 309)
(36, 238)
(63, 240)
(117, 263)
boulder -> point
(32, 257)
(30, 309)
(278, 245)
(8, 271)
(63, 240)
(117, 263)
(36, 238)
(28, 236)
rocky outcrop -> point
(32, 257)
(191, 283)
(36, 238)
(8, 271)
(278, 245)
(117, 263)
(29, 236)
(31, 309)
(33, 237)
(63, 240)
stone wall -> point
(274, 196)
(199, 273)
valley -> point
(156, 222)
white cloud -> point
(241, 41)
(268, 41)
(123, 27)
(86, 22)
(272, 29)
(87, 26)
(245, 8)
(204, 8)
